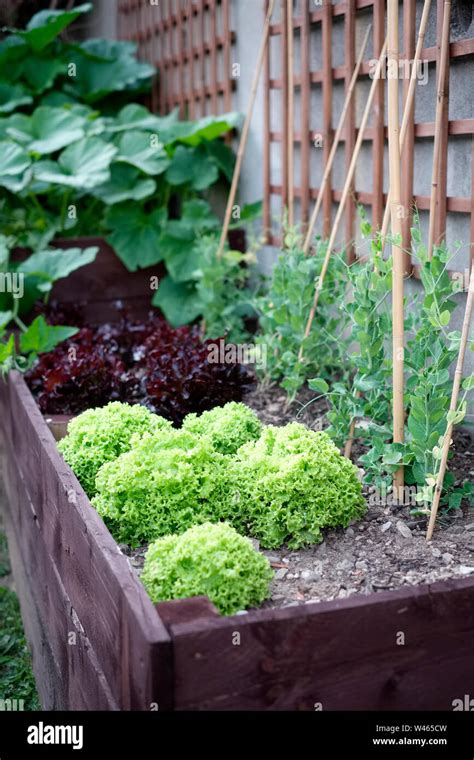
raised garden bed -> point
(103, 283)
(76, 586)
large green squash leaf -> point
(41, 337)
(135, 116)
(40, 72)
(83, 165)
(105, 66)
(48, 129)
(45, 26)
(125, 183)
(14, 166)
(54, 264)
(178, 241)
(138, 150)
(12, 96)
(135, 235)
(192, 166)
(195, 132)
(179, 302)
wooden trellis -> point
(309, 18)
(190, 42)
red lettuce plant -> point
(150, 363)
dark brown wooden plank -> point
(186, 610)
(62, 654)
(227, 35)
(104, 283)
(58, 423)
(342, 655)
(104, 590)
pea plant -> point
(293, 357)
(365, 396)
(431, 350)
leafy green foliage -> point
(14, 166)
(136, 234)
(366, 397)
(83, 165)
(101, 435)
(105, 66)
(46, 25)
(40, 337)
(228, 427)
(201, 285)
(168, 482)
(36, 339)
(210, 560)
(64, 155)
(16, 676)
(48, 129)
(290, 484)
(284, 311)
(431, 350)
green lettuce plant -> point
(290, 484)
(168, 482)
(101, 435)
(227, 427)
(210, 560)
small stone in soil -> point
(386, 526)
(447, 558)
(404, 530)
(435, 552)
(465, 569)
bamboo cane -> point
(337, 137)
(452, 407)
(408, 105)
(397, 252)
(440, 106)
(345, 193)
(403, 133)
(290, 125)
(245, 130)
